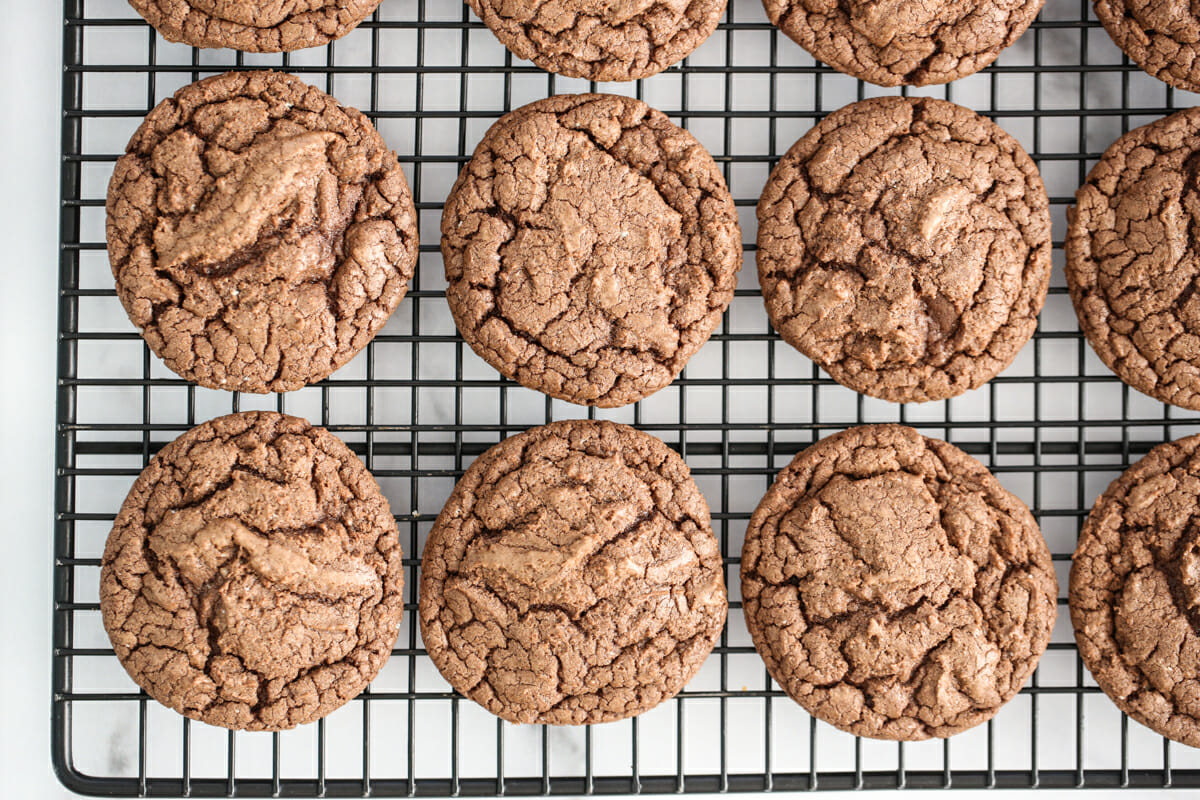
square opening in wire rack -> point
(418, 406)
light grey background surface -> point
(29, 49)
(29, 98)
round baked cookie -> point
(1132, 261)
(1135, 591)
(904, 246)
(1163, 38)
(253, 577)
(897, 42)
(572, 577)
(590, 247)
(601, 41)
(256, 26)
(893, 587)
(260, 233)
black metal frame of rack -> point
(724, 440)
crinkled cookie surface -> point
(591, 247)
(1135, 591)
(1132, 262)
(573, 576)
(601, 41)
(904, 246)
(256, 26)
(260, 233)
(893, 587)
(253, 577)
(1161, 36)
(904, 42)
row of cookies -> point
(886, 42)
(253, 578)
(261, 234)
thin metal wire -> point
(418, 425)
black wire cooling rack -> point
(417, 406)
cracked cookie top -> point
(899, 42)
(253, 576)
(260, 233)
(601, 41)
(1132, 265)
(904, 246)
(1135, 591)
(590, 247)
(1161, 36)
(256, 26)
(893, 587)
(572, 577)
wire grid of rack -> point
(417, 405)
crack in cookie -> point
(900, 42)
(260, 233)
(1161, 36)
(904, 246)
(1132, 265)
(1135, 587)
(590, 248)
(601, 41)
(253, 577)
(572, 577)
(255, 26)
(893, 587)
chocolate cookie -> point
(573, 576)
(253, 577)
(1135, 591)
(896, 42)
(601, 41)
(894, 588)
(1132, 262)
(1163, 38)
(260, 233)
(257, 26)
(904, 246)
(591, 247)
